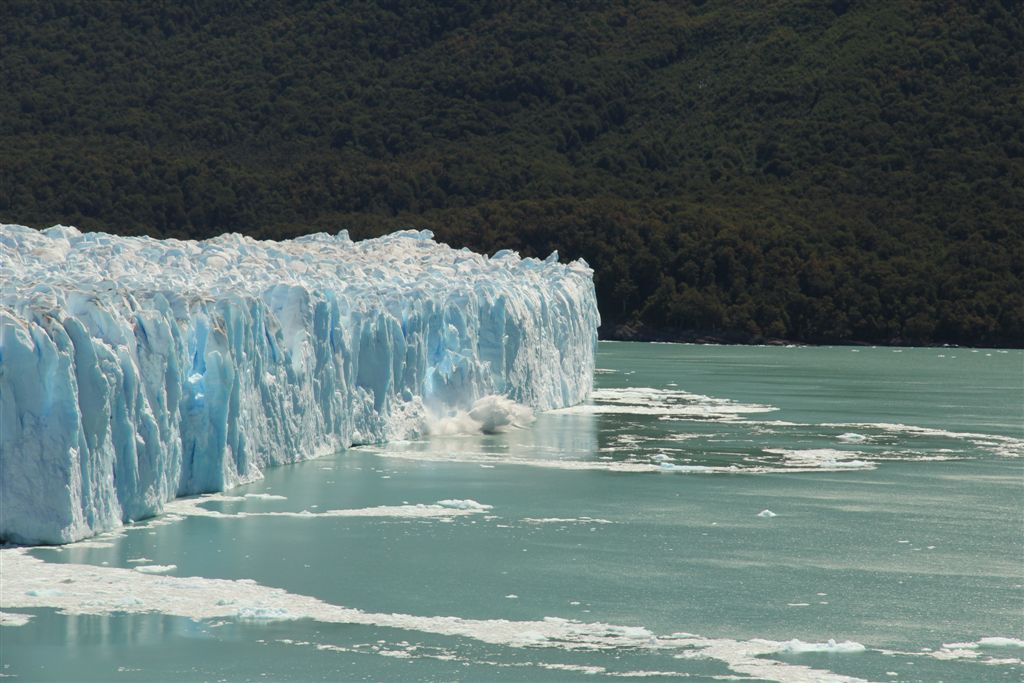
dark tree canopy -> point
(797, 169)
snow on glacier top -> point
(64, 257)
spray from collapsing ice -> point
(489, 415)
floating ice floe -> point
(989, 641)
(263, 614)
(156, 568)
(797, 647)
(467, 504)
(102, 590)
(196, 507)
(666, 403)
(999, 444)
(852, 437)
(766, 513)
(673, 467)
(566, 520)
(14, 619)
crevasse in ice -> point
(135, 370)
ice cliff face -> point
(134, 370)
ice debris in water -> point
(467, 504)
(766, 513)
(672, 467)
(990, 641)
(263, 614)
(799, 647)
(137, 370)
(852, 437)
(156, 568)
(14, 618)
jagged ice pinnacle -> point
(135, 370)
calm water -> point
(636, 522)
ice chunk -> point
(989, 641)
(497, 412)
(134, 371)
(156, 568)
(852, 437)
(263, 614)
(799, 647)
(467, 504)
(1000, 641)
(672, 467)
(766, 513)
(14, 618)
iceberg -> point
(134, 370)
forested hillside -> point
(796, 169)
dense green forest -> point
(807, 170)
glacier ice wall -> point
(135, 370)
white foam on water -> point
(89, 589)
(852, 437)
(14, 618)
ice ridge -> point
(135, 370)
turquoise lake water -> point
(714, 513)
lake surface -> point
(714, 513)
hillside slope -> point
(791, 169)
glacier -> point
(135, 370)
